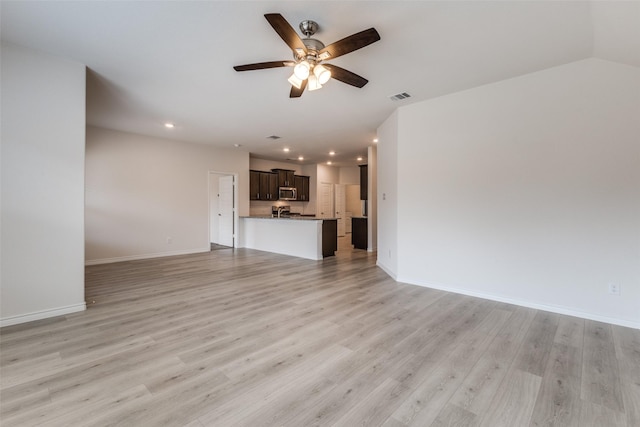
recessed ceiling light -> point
(169, 125)
(359, 158)
(285, 149)
(273, 137)
(332, 153)
(375, 139)
(237, 145)
(300, 158)
(329, 162)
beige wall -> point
(349, 175)
(353, 202)
(142, 192)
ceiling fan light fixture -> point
(301, 70)
(295, 81)
(322, 73)
(314, 84)
(308, 53)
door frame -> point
(235, 205)
(332, 207)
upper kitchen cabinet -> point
(269, 186)
(254, 185)
(363, 182)
(302, 187)
(263, 185)
(286, 178)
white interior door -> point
(225, 210)
(326, 200)
(340, 208)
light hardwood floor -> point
(247, 338)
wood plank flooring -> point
(248, 338)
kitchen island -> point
(300, 236)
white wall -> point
(387, 177)
(527, 191)
(142, 190)
(43, 116)
(372, 198)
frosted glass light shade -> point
(322, 73)
(295, 81)
(301, 70)
(314, 84)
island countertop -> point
(293, 217)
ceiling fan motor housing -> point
(313, 46)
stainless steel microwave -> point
(287, 193)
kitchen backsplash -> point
(258, 207)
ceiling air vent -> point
(399, 96)
(273, 137)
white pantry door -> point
(225, 210)
(325, 205)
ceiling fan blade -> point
(297, 93)
(263, 65)
(346, 76)
(286, 32)
(349, 44)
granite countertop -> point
(294, 217)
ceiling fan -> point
(309, 69)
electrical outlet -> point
(614, 288)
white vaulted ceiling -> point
(150, 62)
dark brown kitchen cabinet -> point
(329, 237)
(359, 238)
(254, 185)
(363, 182)
(286, 178)
(302, 187)
(263, 185)
(273, 186)
(268, 186)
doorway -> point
(222, 212)
(325, 200)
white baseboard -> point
(523, 303)
(387, 270)
(44, 314)
(145, 256)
